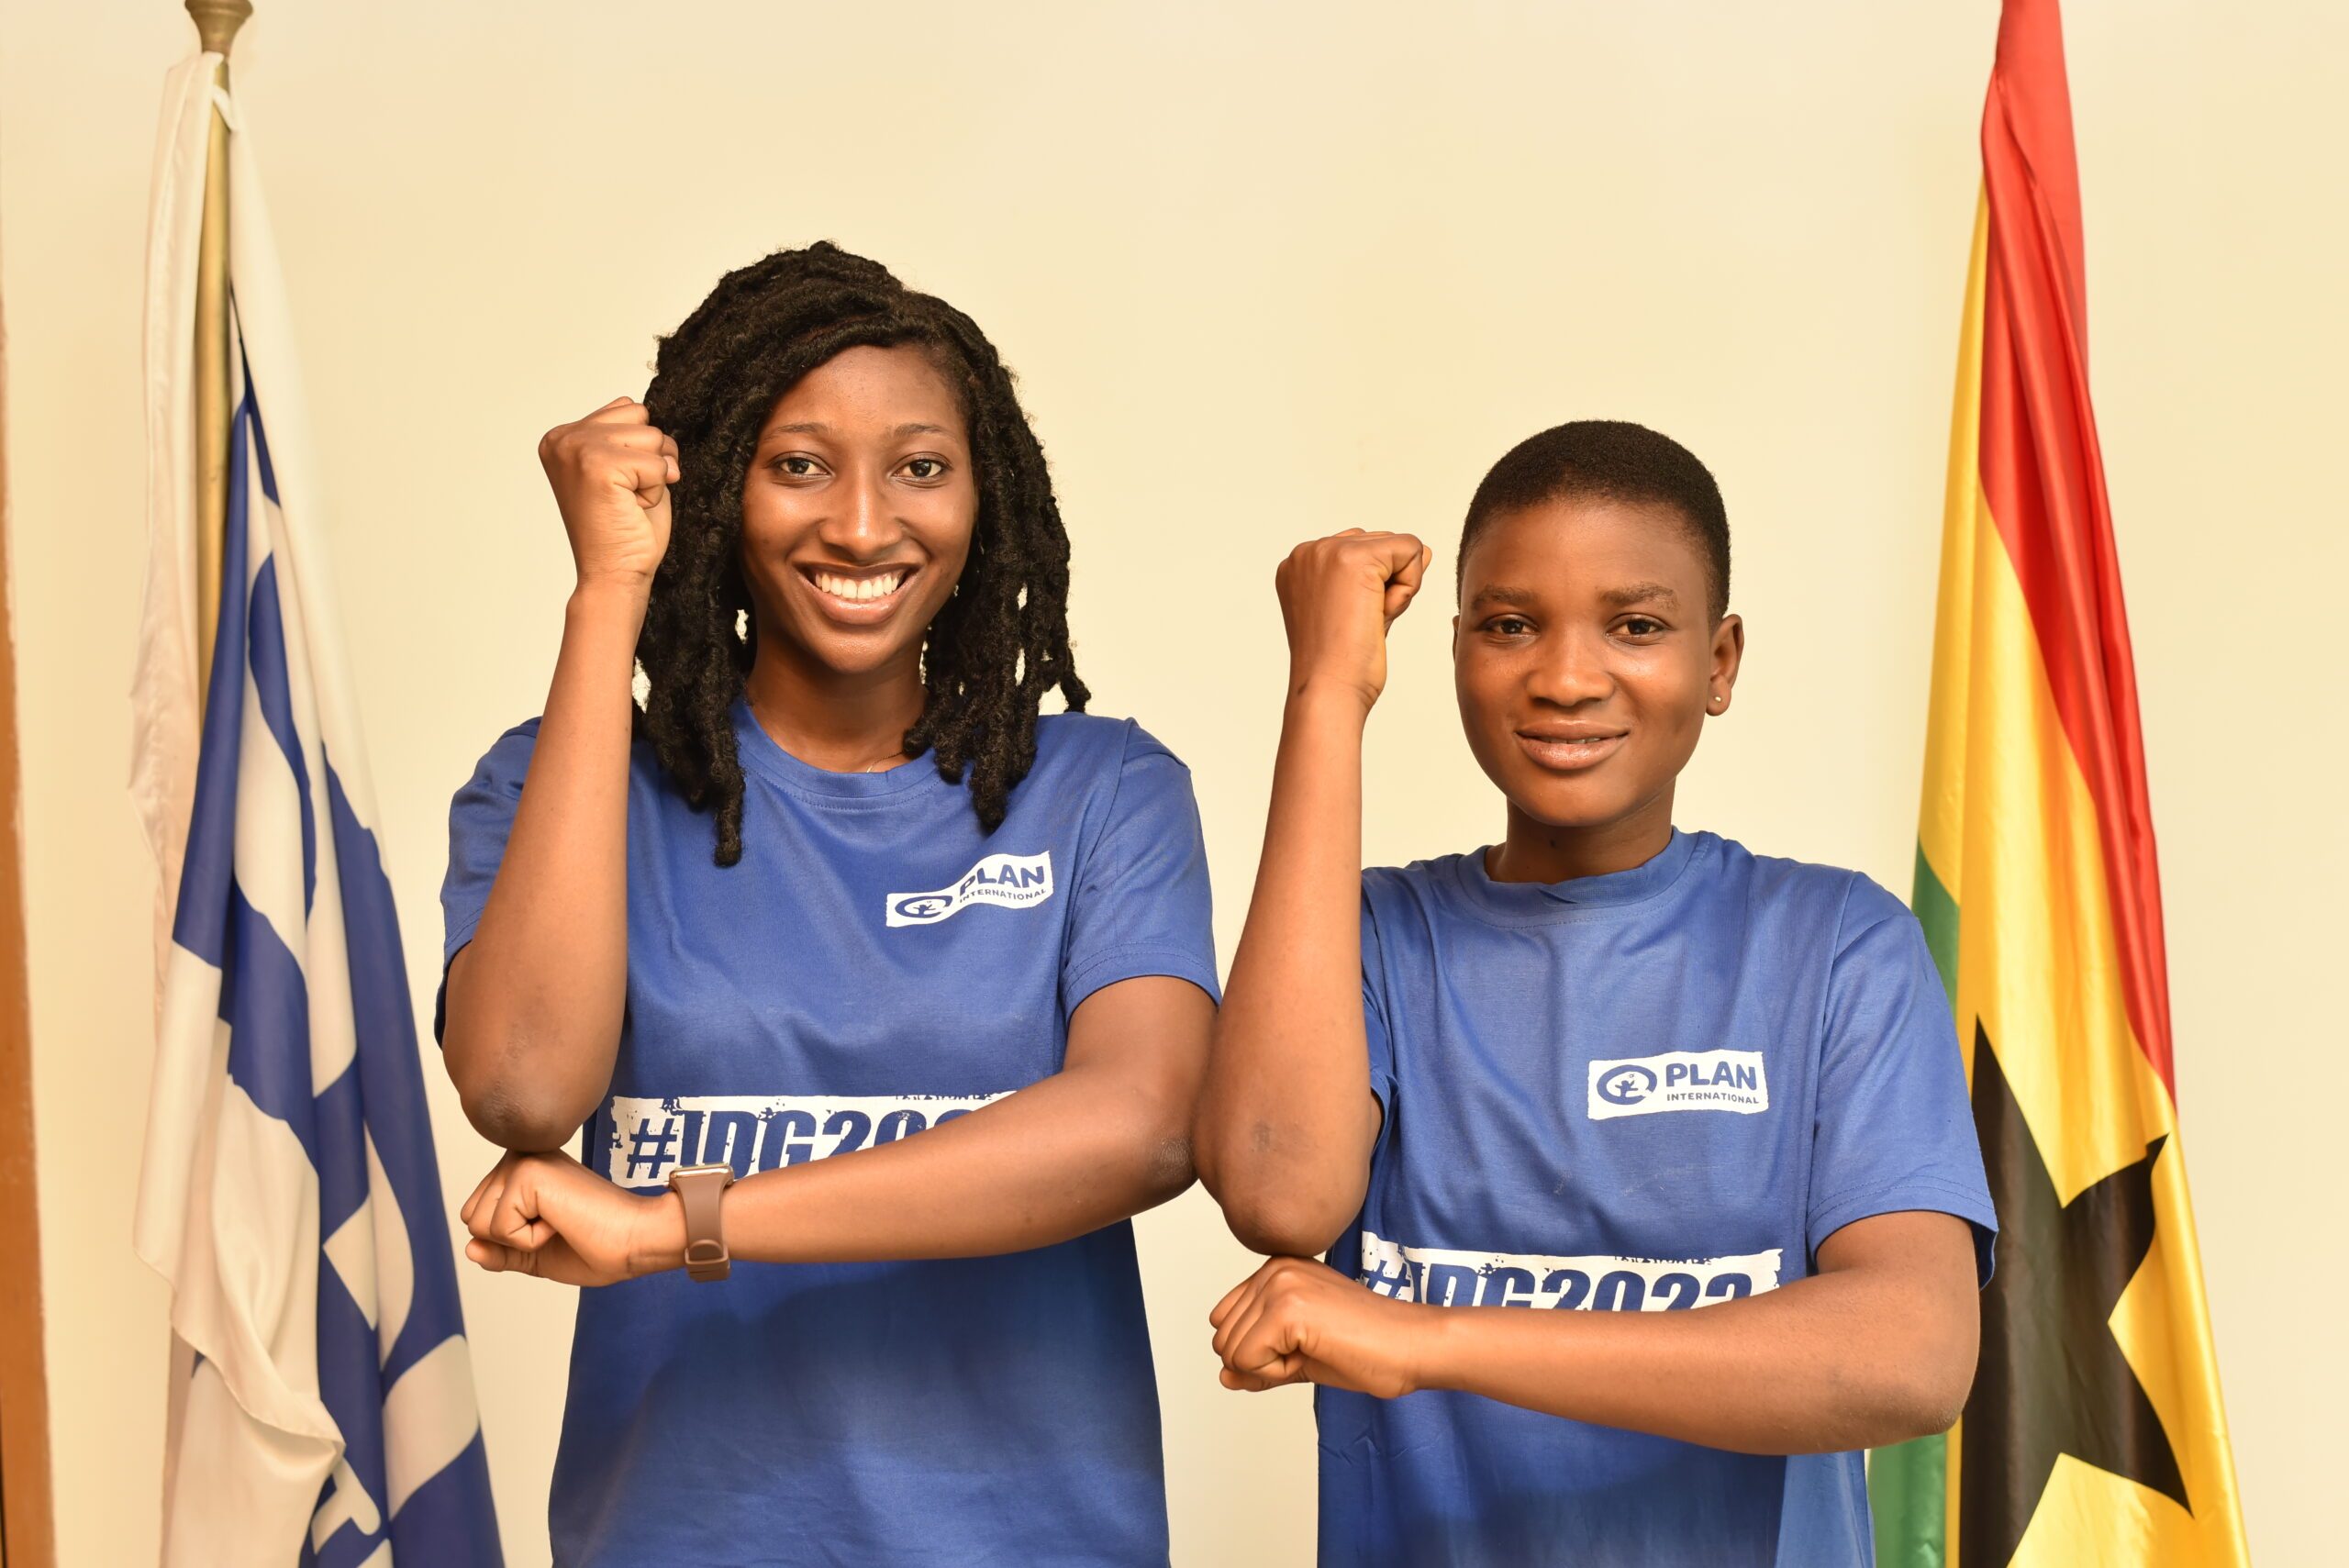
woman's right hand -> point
(1338, 596)
(611, 474)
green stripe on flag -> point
(1908, 1483)
(1908, 1493)
(1937, 912)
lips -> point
(1570, 748)
(857, 595)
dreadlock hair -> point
(1608, 459)
(997, 645)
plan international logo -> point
(1018, 881)
(1679, 1081)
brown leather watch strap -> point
(701, 1188)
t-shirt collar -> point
(1539, 902)
(761, 755)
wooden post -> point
(216, 22)
(27, 1533)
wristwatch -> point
(700, 1187)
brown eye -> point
(1641, 626)
(794, 466)
(925, 468)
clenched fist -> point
(550, 1216)
(1338, 596)
(1295, 1321)
(611, 474)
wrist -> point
(613, 594)
(1433, 1336)
(1317, 699)
(659, 1242)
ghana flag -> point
(2094, 1433)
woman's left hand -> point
(1295, 1321)
(550, 1216)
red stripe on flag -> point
(2043, 477)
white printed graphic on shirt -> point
(1445, 1278)
(1679, 1081)
(757, 1132)
(1017, 881)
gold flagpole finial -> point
(216, 22)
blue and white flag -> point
(323, 1406)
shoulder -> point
(1390, 892)
(1849, 903)
(1409, 881)
(1085, 752)
(503, 767)
(1096, 740)
(507, 759)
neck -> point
(842, 721)
(1535, 850)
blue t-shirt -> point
(875, 965)
(1649, 1091)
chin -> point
(855, 655)
(1577, 805)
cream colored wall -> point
(1266, 271)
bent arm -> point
(534, 999)
(1287, 1119)
(1099, 1141)
(1877, 1348)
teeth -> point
(855, 589)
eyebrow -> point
(816, 427)
(1615, 598)
(1640, 593)
(1483, 596)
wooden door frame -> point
(27, 1518)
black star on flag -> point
(2052, 1379)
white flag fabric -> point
(289, 1193)
(163, 688)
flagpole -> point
(216, 22)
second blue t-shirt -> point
(1647, 1092)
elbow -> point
(1921, 1396)
(1278, 1227)
(1167, 1169)
(526, 1124)
(1264, 1206)
(1937, 1401)
(501, 1102)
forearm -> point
(1286, 1120)
(1826, 1364)
(1059, 1159)
(534, 1007)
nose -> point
(1573, 671)
(864, 525)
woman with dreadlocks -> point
(857, 971)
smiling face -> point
(1586, 660)
(858, 511)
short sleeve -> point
(1140, 903)
(1895, 1127)
(1378, 1033)
(480, 817)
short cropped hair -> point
(1611, 459)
